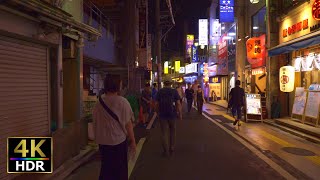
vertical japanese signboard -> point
(143, 33)
(223, 56)
(194, 54)
(203, 32)
(189, 44)
(227, 11)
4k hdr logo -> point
(29, 154)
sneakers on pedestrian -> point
(235, 122)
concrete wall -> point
(74, 8)
(104, 48)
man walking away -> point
(189, 95)
(166, 98)
(237, 101)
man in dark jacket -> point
(169, 107)
(236, 102)
(189, 96)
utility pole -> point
(158, 42)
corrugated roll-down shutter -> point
(24, 93)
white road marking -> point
(132, 162)
(219, 120)
(152, 120)
(272, 164)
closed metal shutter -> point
(24, 93)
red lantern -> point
(256, 50)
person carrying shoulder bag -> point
(113, 130)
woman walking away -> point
(112, 122)
(200, 99)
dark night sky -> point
(189, 11)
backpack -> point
(166, 100)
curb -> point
(218, 105)
(69, 166)
(294, 132)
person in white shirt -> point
(195, 89)
(112, 134)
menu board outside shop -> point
(313, 103)
(253, 103)
(300, 100)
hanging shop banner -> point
(226, 11)
(194, 54)
(223, 56)
(189, 44)
(215, 88)
(286, 78)
(307, 63)
(300, 100)
(313, 103)
(253, 103)
(192, 68)
(203, 32)
(256, 51)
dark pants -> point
(199, 106)
(166, 123)
(236, 111)
(114, 162)
(189, 104)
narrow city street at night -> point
(159, 89)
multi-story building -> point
(294, 61)
(39, 71)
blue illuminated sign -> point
(194, 54)
(227, 11)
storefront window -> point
(259, 23)
(307, 66)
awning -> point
(57, 14)
(296, 44)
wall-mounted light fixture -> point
(254, 1)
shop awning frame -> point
(296, 44)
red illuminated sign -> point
(316, 10)
(296, 28)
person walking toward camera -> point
(112, 124)
(189, 96)
(169, 108)
(236, 102)
(200, 99)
